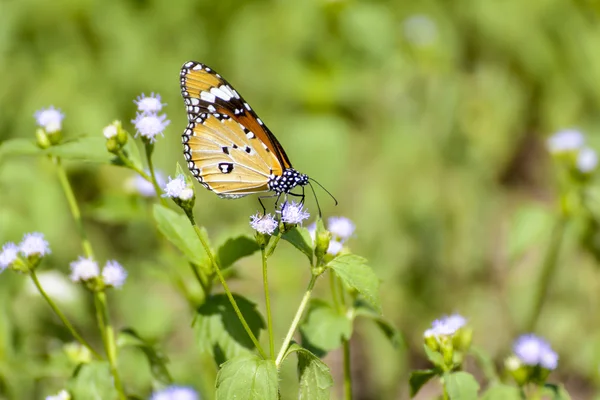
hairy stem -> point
(347, 371)
(268, 303)
(149, 147)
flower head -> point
(110, 131)
(341, 227)
(565, 141)
(178, 188)
(533, 350)
(334, 247)
(175, 393)
(62, 395)
(150, 125)
(150, 104)
(50, 119)
(9, 255)
(138, 184)
(293, 213)
(114, 274)
(446, 326)
(84, 269)
(265, 224)
(587, 160)
(34, 244)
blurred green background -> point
(426, 119)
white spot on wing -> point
(247, 106)
(207, 96)
(259, 121)
(219, 93)
(227, 90)
(211, 108)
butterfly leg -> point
(260, 198)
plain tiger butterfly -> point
(226, 145)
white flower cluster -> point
(341, 229)
(175, 393)
(535, 351)
(573, 141)
(32, 245)
(178, 189)
(85, 269)
(148, 123)
(50, 119)
(446, 326)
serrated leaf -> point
(220, 333)
(157, 361)
(314, 375)
(355, 273)
(418, 379)
(87, 148)
(93, 381)
(502, 392)
(234, 249)
(300, 239)
(324, 327)
(178, 230)
(18, 147)
(388, 329)
(247, 377)
(461, 386)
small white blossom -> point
(312, 231)
(178, 188)
(447, 325)
(50, 119)
(62, 395)
(565, 141)
(341, 227)
(265, 224)
(293, 213)
(84, 269)
(150, 125)
(114, 274)
(55, 285)
(34, 244)
(9, 255)
(334, 247)
(150, 104)
(587, 160)
(533, 350)
(420, 30)
(110, 131)
(175, 393)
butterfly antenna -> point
(326, 191)
(316, 199)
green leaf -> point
(461, 386)
(93, 381)
(314, 375)
(248, 377)
(557, 391)
(355, 273)
(388, 329)
(220, 333)
(132, 151)
(178, 230)
(300, 239)
(18, 147)
(486, 363)
(87, 148)
(433, 356)
(236, 248)
(418, 379)
(502, 392)
(158, 362)
(324, 327)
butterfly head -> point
(287, 181)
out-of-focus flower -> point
(9, 254)
(34, 244)
(175, 393)
(150, 125)
(533, 350)
(334, 247)
(340, 227)
(265, 224)
(138, 184)
(55, 285)
(84, 269)
(587, 160)
(150, 104)
(114, 274)
(62, 395)
(446, 326)
(420, 30)
(110, 131)
(178, 188)
(50, 119)
(293, 213)
(565, 141)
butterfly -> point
(226, 145)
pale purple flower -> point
(9, 254)
(50, 119)
(265, 224)
(114, 274)
(587, 160)
(446, 326)
(143, 187)
(175, 393)
(334, 247)
(150, 125)
(84, 269)
(293, 213)
(178, 188)
(565, 141)
(34, 244)
(62, 395)
(150, 104)
(340, 227)
(533, 350)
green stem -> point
(274, 243)
(268, 303)
(548, 271)
(127, 162)
(334, 295)
(347, 371)
(66, 186)
(60, 315)
(149, 148)
(108, 337)
(296, 321)
(225, 287)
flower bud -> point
(42, 140)
(77, 353)
(322, 239)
